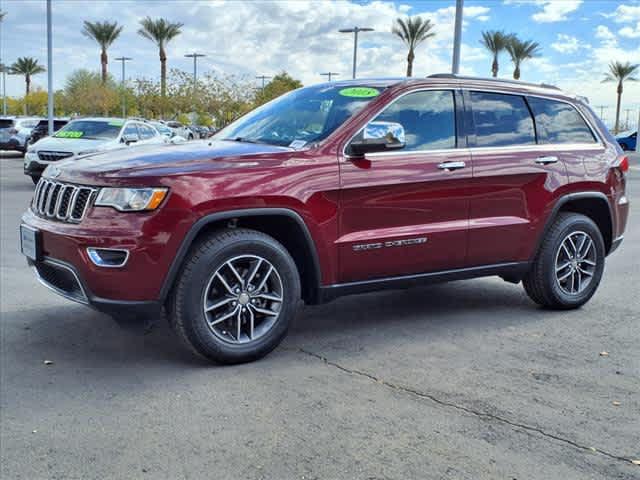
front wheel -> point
(568, 268)
(236, 295)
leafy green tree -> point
(620, 72)
(160, 32)
(496, 42)
(105, 33)
(28, 67)
(86, 94)
(280, 84)
(412, 31)
(520, 51)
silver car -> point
(15, 132)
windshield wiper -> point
(242, 140)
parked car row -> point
(91, 135)
(17, 133)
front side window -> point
(130, 130)
(559, 122)
(146, 133)
(428, 119)
(501, 120)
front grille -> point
(61, 201)
(60, 279)
(53, 156)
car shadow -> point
(87, 338)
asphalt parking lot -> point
(466, 380)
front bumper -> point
(63, 279)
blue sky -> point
(578, 38)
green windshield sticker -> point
(359, 92)
(69, 134)
(116, 123)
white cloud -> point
(607, 36)
(630, 32)
(626, 13)
(567, 44)
(555, 11)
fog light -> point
(108, 257)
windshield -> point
(91, 129)
(302, 116)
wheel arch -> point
(284, 225)
(594, 205)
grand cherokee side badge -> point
(390, 243)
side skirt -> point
(511, 272)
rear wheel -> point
(236, 295)
(569, 265)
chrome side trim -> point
(62, 293)
(91, 251)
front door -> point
(406, 212)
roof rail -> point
(497, 80)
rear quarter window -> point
(559, 122)
(501, 120)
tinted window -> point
(145, 132)
(501, 120)
(559, 122)
(428, 119)
(131, 129)
(6, 123)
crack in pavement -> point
(468, 410)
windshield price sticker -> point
(359, 92)
(297, 144)
(69, 134)
(116, 123)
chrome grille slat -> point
(61, 201)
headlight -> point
(87, 152)
(131, 199)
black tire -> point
(543, 285)
(187, 316)
(35, 179)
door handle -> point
(546, 160)
(451, 165)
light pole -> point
(355, 31)
(329, 75)
(124, 59)
(457, 38)
(263, 78)
(195, 57)
(637, 132)
(49, 70)
(3, 67)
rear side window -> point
(501, 120)
(428, 118)
(6, 123)
(559, 122)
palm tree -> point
(105, 34)
(496, 42)
(521, 51)
(26, 66)
(160, 31)
(619, 72)
(412, 31)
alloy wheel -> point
(243, 299)
(576, 261)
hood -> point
(74, 145)
(167, 159)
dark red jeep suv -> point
(333, 189)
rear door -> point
(404, 212)
(519, 168)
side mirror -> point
(379, 137)
(130, 138)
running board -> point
(511, 272)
